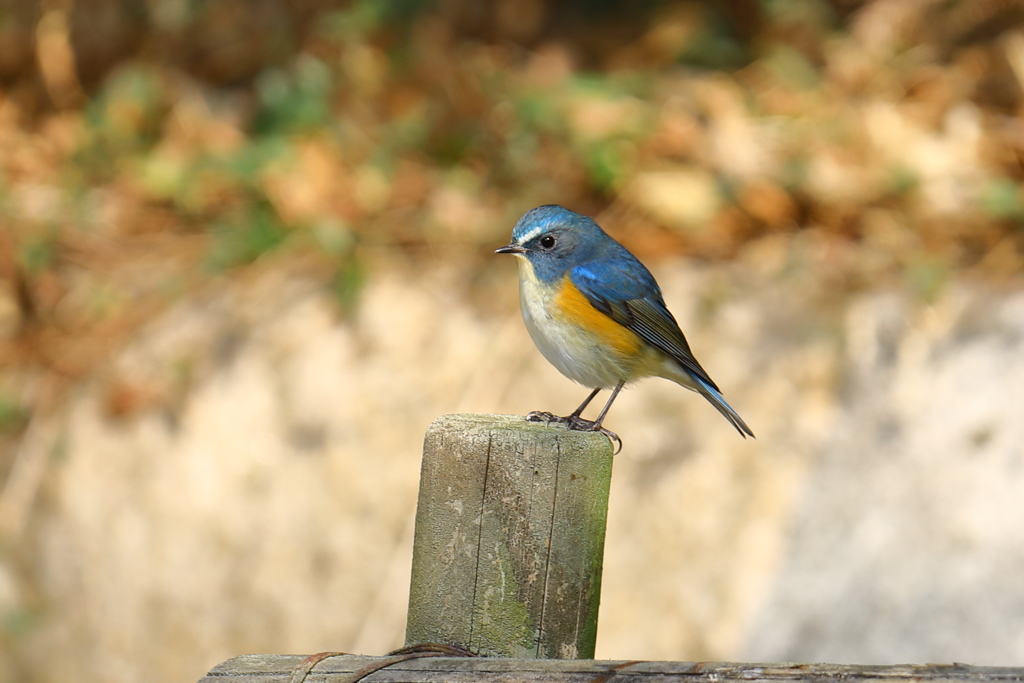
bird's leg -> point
(604, 411)
(596, 424)
(577, 423)
(586, 402)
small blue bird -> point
(597, 314)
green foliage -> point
(607, 163)
(294, 100)
(37, 253)
(815, 14)
(247, 163)
(338, 243)
(244, 237)
(1002, 199)
(362, 17)
(348, 281)
(129, 109)
(791, 67)
(124, 119)
(450, 146)
(19, 622)
(903, 181)
(13, 414)
(405, 133)
(715, 45)
(927, 275)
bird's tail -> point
(714, 397)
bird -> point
(597, 314)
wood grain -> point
(278, 668)
(509, 540)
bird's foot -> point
(546, 417)
(576, 424)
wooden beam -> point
(509, 541)
(340, 669)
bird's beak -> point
(510, 249)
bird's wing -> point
(634, 300)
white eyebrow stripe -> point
(530, 235)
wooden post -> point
(509, 538)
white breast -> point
(574, 351)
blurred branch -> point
(26, 476)
(56, 57)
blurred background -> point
(246, 257)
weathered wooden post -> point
(509, 538)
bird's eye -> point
(547, 241)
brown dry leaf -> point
(768, 203)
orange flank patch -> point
(572, 306)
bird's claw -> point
(576, 424)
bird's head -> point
(554, 240)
